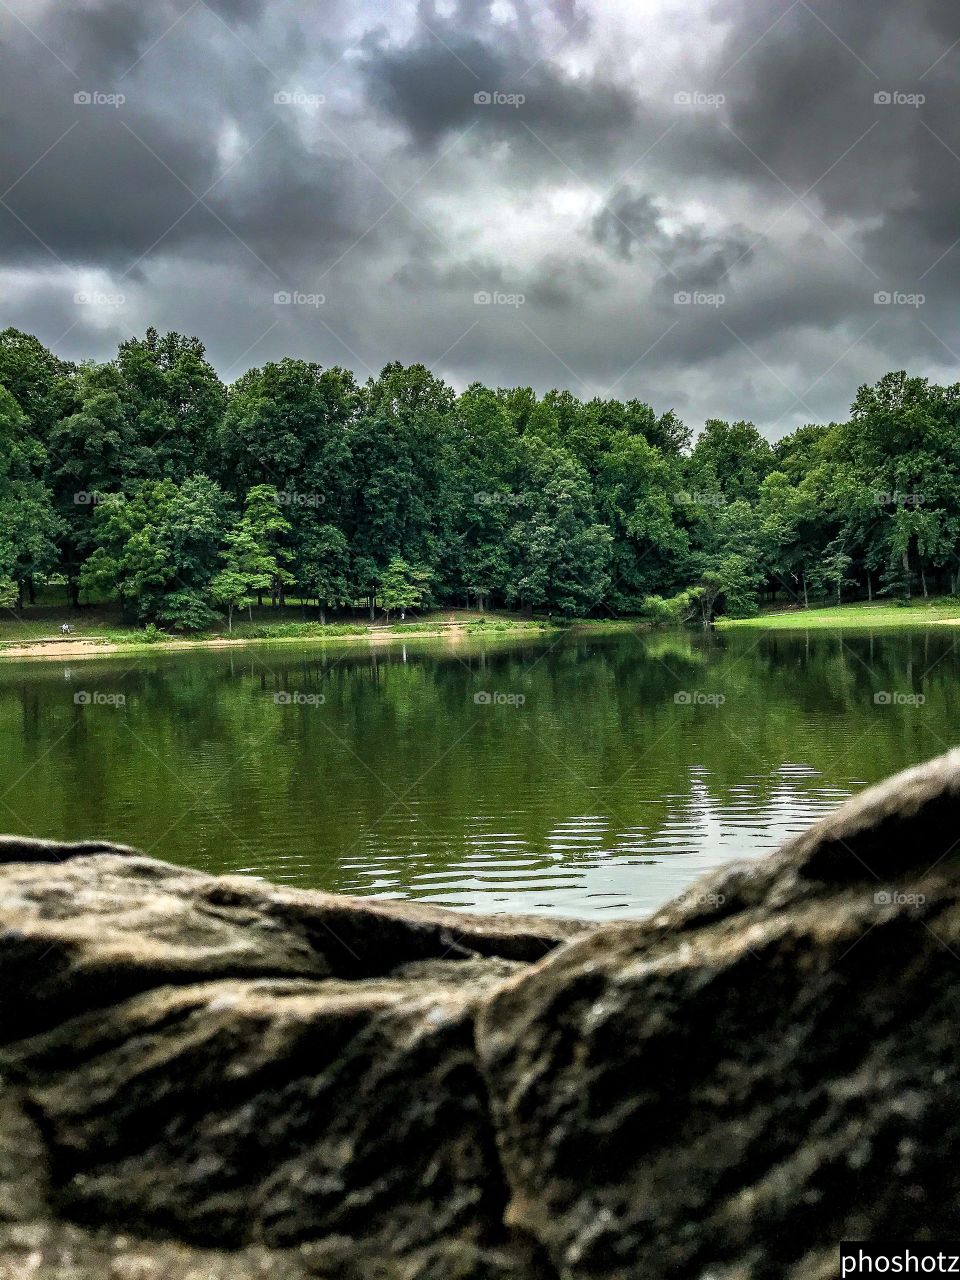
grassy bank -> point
(918, 613)
(98, 630)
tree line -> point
(147, 478)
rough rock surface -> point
(216, 1078)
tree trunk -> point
(323, 616)
(869, 585)
(373, 605)
(229, 617)
(906, 570)
(250, 609)
(923, 579)
(806, 602)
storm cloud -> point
(737, 210)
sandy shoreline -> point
(93, 648)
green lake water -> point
(582, 775)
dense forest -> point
(148, 479)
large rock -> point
(768, 1066)
(233, 1065)
(217, 1078)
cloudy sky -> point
(695, 203)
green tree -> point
(287, 425)
(639, 502)
(790, 534)
(558, 551)
(322, 567)
(731, 572)
(246, 569)
(403, 503)
(174, 402)
(481, 478)
(736, 454)
(29, 526)
(270, 530)
(404, 586)
(90, 454)
(42, 384)
(161, 550)
(834, 569)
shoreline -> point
(50, 650)
(852, 617)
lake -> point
(579, 775)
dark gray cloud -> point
(690, 257)
(122, 178)
(694, 205)
(442, 81)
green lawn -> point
(919, 613)
(44, 624)
(104, 622)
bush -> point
(295, 630)
(670, 611)
(186, 610)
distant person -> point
(403, 614)
(65, 629)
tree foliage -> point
(145, 476)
